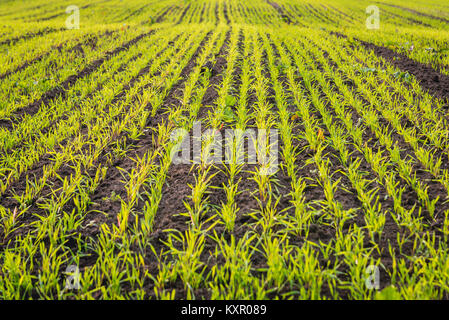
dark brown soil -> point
(23, 10)
(203, 9)
(30, 62)
(415, 12)
(409, 198)
(176, 189)
(113, 181)
(56, 121)
(60, 14)
(435, 188)
(317, 14)
(19, 185)
(90, 40)
(436, 83)
(59, 90)
(342, 14)
(183, 14)
(313, 13)
(226, 13)
(280, 10)
(164, 13)
(294, 10)
(30, 35)
(135, 12)
(410, 20)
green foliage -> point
(87, 119)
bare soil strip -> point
(113, 180)
(313, 14)
(294, 11)
(60, 14)
(411, 20)
(319, 15)
(226, 13)
(91, 39)
(63, 10)
(183, 14)
(22, 10)
(341, 13)
(45, 159)
(176, 190)
(409, 198)
(415, 12)
(59, 91)
(66, 170)
(30, 35)
(280, 10)
(161, 17)
(173, 197)
(436, 83)
(203, 9)
(216, 14)
(31, 62)
(136, 12)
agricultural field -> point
(224, 149)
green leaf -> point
(228, 115)
(389, 293)
(230, 101)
